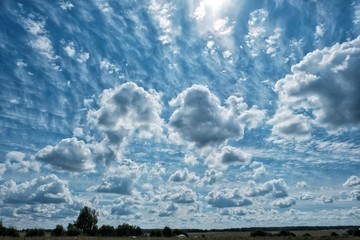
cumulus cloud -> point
(301, 184)
(323, 87)
(49, 189)
(184, 175)
(180, 194)
(228, 156)
(124, 206)
(227, 198)
(276, 187)
(355, 195)
(289, 126)
(210, 177)
(284, 202)
(352, 181)
(258, 169)
(324, 199)
(128, 110)
(354, 212)
(116, 184)
(201, 120)
(307, 196)
(16, 161)
(69, 154)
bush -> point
(107, 231)
(58, 231)
(307, 235)
(353, 232)
(334, 234)
(286, 233)
(177, 232)
(259, 233)
(155, 233)
(34, 232)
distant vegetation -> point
(86, 225)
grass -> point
(315, 235)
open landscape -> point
(196, 119)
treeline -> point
(8, 231)
(86, 225)
(275, 229)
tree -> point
(58, 231)
(128, 230)
(34, 232)
(167, 232)
(107, 231)
(155, 233)
(87, 221)
(72, 230)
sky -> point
(204, 113)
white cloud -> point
(355, 195)
(125, 205)
(257, 31)
(184, 175)
(307, 196)
(284, 202)
(356, 17)
(289, 126)
(228, 156)
(227, 198)
(319, 31)
(352, 181)
(354, 212)
(161, 13)
(16, 161)
(222, 27)
(78, 132)
(180, 194)
(272, 42)
(258, 169)
(301, 184)
(83, 57)
(49, 189)
(70, 154)
(276, 187)
(249, 117)
(66, 5)
(116, 184)
(324, 199)
(128, 110)
(201, 120)
(70, 49)
(40, 39)
(324, 85)
(109, 66)
(200, 12)
(210, 177)
(21, 63)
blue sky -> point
(206, 114)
